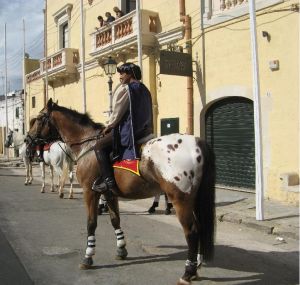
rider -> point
(130, 123)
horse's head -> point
(9, 139)
(41, 127)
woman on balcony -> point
(101, 21)
(118, 12)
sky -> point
(12, 12)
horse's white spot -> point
(178, 159)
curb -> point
(262, 226)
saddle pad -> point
(128, 164)
(47, 146)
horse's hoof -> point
(121, 253)
(87, 263)
(61, 195)
(43, 191)
(71, 197)
(183, 282)
(189, 274)
(25, 183)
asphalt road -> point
(43, 239)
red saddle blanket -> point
(45, 147)
(130, 165)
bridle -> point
(45, 119)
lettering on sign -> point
(175, 63)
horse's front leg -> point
(71, 194)
(91, 200)
(113, 206)
(30, 172)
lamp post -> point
(110, 67)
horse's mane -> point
(79, 118)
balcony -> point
(34, 75)
(120, 36)
(60, 64)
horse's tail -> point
(205, 202)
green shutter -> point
(230, 131)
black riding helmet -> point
(130, 68)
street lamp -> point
(110, 67)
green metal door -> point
(229, 126)
(169, 126)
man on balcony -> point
(130, 123)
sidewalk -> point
(280, 219)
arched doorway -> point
(229, 128)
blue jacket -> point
(136, 123)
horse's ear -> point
(49, 104)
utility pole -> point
(24, 82)
(5, 60)
(82, 55)
(45, 54)
(139, 34)
(259, 185)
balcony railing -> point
(123, 33)
(34, 75)
(61, 63)
(229, 4)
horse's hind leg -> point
(113, 206)
(91, 200)
(51, 178)
(42, 166)
(185, 215)
(27, 174)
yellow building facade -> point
(216, 102)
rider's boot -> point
(105, 184)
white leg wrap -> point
(91, 247)
(120, 238)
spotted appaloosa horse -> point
(182, 166)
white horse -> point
(16, 139)
(60, 161)
(57, 157)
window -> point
(17, 113)
(64, 36)
(33, 102)
(127, 5)
(62, 18)
(130, 5)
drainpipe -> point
(190, 89)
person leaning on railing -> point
(118, 12)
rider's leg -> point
(106, 182)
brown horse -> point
(182, 166)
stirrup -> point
(102, 187)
